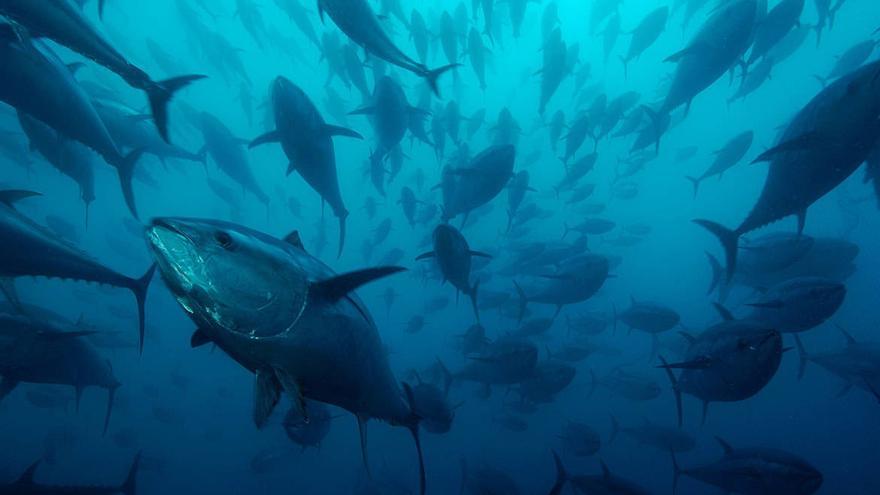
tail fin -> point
(802, 355)
(676, 472)
(432, 75)
(729, 240)
(625, 68)
(414, 431)
(129, 487)
(111, 394)
(561, 475)
(566, 231)
(139, 288)
(615, 429)
(125, 169)
(160, 93)
(473, 296)
(696, 182)
(716, 272)
(675, 389)
(523, 301)
(822, 80)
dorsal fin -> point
(335, 288)
(724, 445)
(294, 239)
(27, 477)
(12, 196)
(199, 338)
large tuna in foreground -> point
(286, 317)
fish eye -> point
(223, 239)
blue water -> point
(209, 442)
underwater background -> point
(189, 411)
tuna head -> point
(286, 95)
(449, 241)
(228, 279)
(262, 300)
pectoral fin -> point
(335, 288)
(700, 363)
(690, 50)
(198, 339)
(775, 304)
(425, 256)
(363, 111)
(269, 137)
(802, 142)
(335, 130)
(12, 196)
(266, 394)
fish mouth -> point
(175, 254)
